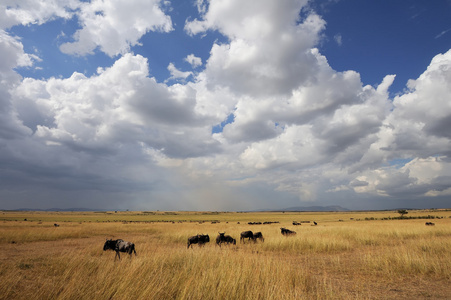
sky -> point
(225, 105)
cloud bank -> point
(299, 132)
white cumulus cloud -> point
(293, 128)
(193, 60)
(114, 26)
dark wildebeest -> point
(199, 239)
(229, 240)
(222, 238)
(119, 246)
(56, 225)
(429, 224)
(315, 223)
(246, 234)
(258, 235)
(287, 231)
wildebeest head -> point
(205, 238)
(109, 245)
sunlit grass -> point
(346, 259)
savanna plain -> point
(347, 255)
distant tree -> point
(402, 212)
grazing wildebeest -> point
(56, 225)
(246, 234)
(315, 223)
(229, 240)
(287, 231)
(199, 239)
(222, 238)
(119, 246)
(258, 235)
(430, 224)
(296, 223)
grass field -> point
(350, 255)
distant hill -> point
(309, 208)
(317, 208)
(60, 209)
(295, 208)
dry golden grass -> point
(349, 259)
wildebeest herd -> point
(200, 239)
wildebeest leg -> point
(132, 249)
(118, 255)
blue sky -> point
(373, 38)
(225, 105)
(386, 37)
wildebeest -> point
(246, 234)
(230, 240)
(258, 235)
(429, 224)
(287, 231)
(222, 238)
(315, 223)
(296, 223)
(56, 225)
(199, 239)
(119, 246)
